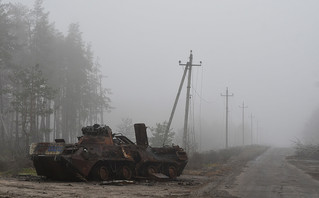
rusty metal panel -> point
(140, 134)
(47, 148)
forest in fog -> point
(50, 83)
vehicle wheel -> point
(172, 172)
(126, 173)
(103, 173)
(151, 170)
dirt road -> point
(270, 175)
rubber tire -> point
(172, 172)
(126, 172)
(151, 169)
(102, 173)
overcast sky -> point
(265, 51)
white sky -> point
(265, 51)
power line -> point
(200, 94)
(200, 97)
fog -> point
(265, 52)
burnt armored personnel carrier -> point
(102, 155)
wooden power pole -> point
(227, 95)
(251, 129)
(189, 64)
(243, 120)
(188, 67)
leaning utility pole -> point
(189, 66)
(175, 104)
(227, 95)
(243, 118)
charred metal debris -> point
(101, 155)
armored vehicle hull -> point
(102, 155)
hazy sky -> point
(265, 51)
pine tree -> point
(29, 93)
(126, 127)
(65, 63)
(159, 133)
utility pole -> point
(189, 66)
(243, 119)
(251, 128)
(227, 95)
(257, 132)
(175, 104)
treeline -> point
(50, 83)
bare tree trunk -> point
(65, 123)
(42, 129)
(56, 119)
(54, 123)
(17, 141)
(91, 116)
(11, 130)
(2, 136)
(47, 121)
(59, 123)
(26, 135)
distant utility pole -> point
(243, 118)
(257, 132)
(251, 128)
(227, 95)
(189, 66)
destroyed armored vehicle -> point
(102, 155)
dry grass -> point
(306, 151)
(214, 159)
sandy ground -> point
(209, 182)
(20, 187)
